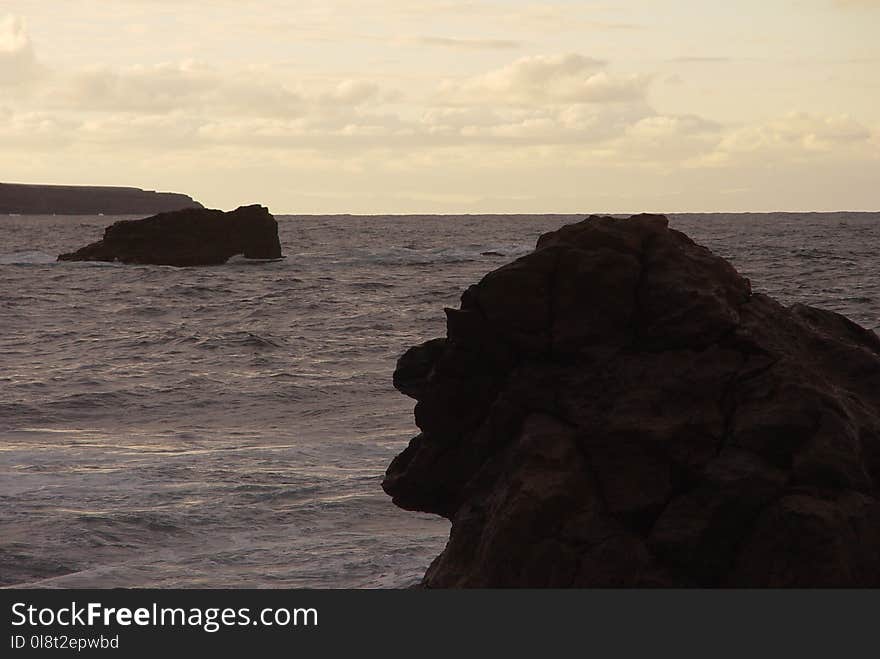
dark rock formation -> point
(187, 237)
(88, 200)
(619, 409)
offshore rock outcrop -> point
(189, 237)
(619, 409)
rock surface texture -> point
(193, 236)
(619, 409)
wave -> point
(241, 259)
(238, 339)
(391, 256)
(27, 257)
(405, 255)
(36, 257)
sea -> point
(229, 426)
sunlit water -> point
(229, 426)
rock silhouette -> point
(619, 409)
(188, 237)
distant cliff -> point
(88, 200)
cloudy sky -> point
(388, 106)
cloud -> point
(803, 131)
(795, 137)
(473, 44)
(36, 130)
(18, 63)
(195, 87)
(704, 59)
(351, 93)
(547, 122)
(548, 79)
(553, 101)
(158, 88)
(848, 4)
(562, 17)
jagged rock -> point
(618, 408)
(188, 237)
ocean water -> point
(229, 426)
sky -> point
(449, 106)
